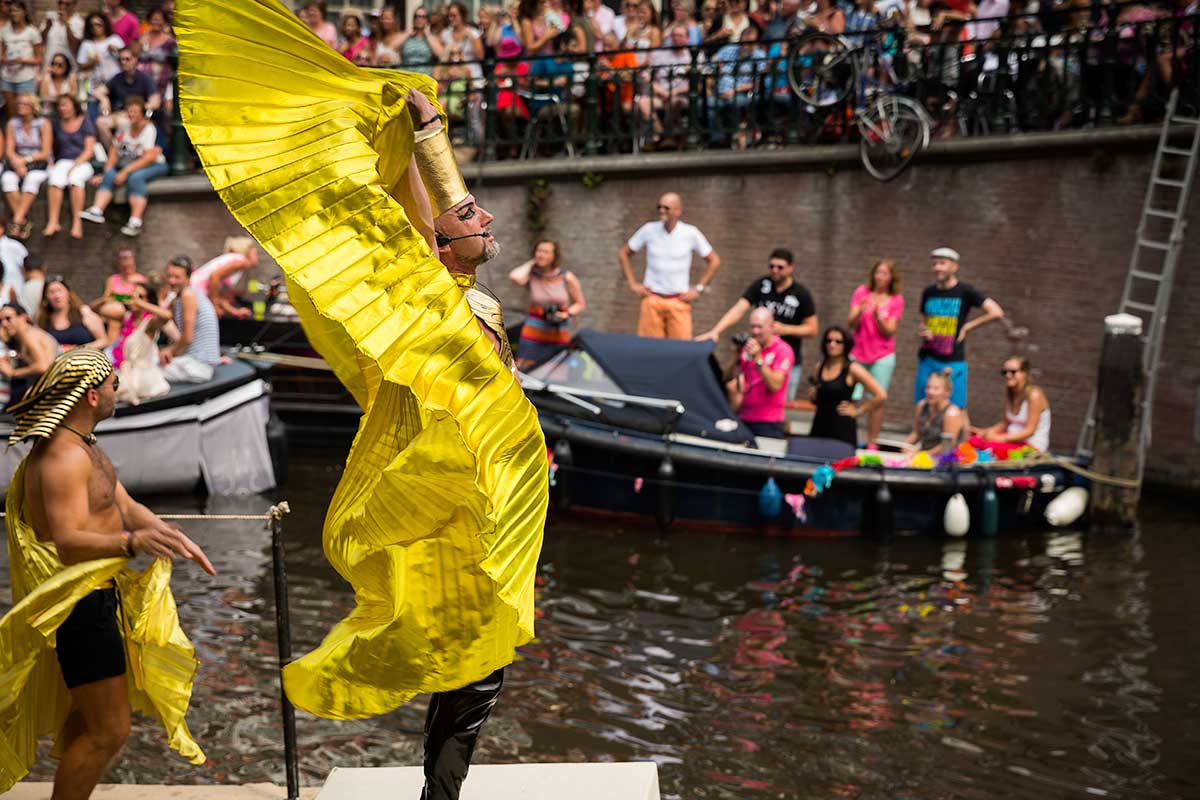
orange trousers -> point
(665, 318)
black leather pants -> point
(451, 728)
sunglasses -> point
(777, 266)
(1007, 372)
(55, 279)
(661, 207)
(835, 341)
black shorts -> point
(90, 645)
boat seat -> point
(818, 448)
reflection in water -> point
(752, 667)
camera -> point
(740, 339)
(550, 312)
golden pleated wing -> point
(34, 701)
(437, 520)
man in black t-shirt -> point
(945, 306)
(792, 305)
(129, 82)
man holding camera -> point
(789, 302)
(758, 390)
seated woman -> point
(135, 160)
(554, 297)
(134, 354)
(832, 389)
(938, 421)
(64, 316)
(74, 144)
(28, 148)
(1026, 415)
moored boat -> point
(640, 429)
(211, 436)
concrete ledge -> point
(976, 148)
(628, 781)
(249, 791)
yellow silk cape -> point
(437, 520)
(34, 701)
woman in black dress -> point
(832, 387)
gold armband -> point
(439, 171)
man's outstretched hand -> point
(167, 540)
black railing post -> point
(1108, 67)
(181, 145)
(694, 141)
(283, 633)
(591, 106)
(489, 113)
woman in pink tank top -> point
(875, 312)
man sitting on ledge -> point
(758, 391)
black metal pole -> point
(283, 631)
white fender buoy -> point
(957, 518)
(1067, 507)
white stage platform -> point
(623, 781)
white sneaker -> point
(92, 214)
(132, 228)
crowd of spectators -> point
(644, 63)
(158, 329)
(853, 375)
(88, 90)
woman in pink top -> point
(119, 286)
(875, 312)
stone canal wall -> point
(1045, 230)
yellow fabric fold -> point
(437, 520)
(34, 702)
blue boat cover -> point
(670, 369)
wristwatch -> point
(699, 287)
(758, 362)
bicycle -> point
(823, 69)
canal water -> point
(1058, 665)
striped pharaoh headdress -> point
(48, 401)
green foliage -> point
(592, 179)
(537, 200)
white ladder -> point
(1152, 266)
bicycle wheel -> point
(893, 130)
(819, 69)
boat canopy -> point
(663, 369)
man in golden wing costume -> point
(88, 637)
(437, 520)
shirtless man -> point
(74, 499)
(35, 349)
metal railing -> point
(1087, 72)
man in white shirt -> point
(667, 296)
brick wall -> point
(1048, 238)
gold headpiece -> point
(439, 170)
(48, 401)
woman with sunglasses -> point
(59, 79)
(832, 389)
(421, 48)
(157, 52)
(97, 59)
(28, 148)
(1026, 420)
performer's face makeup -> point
(465, 219)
